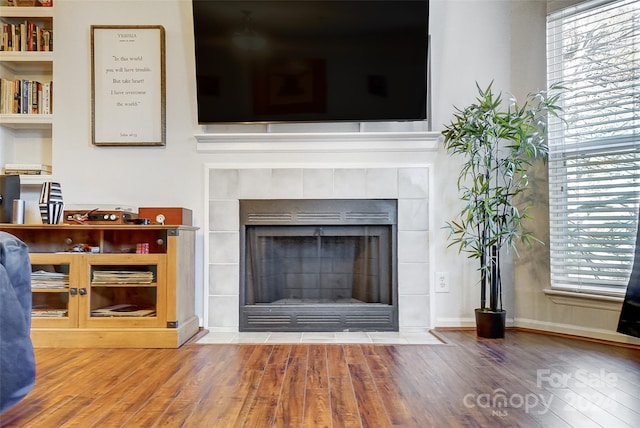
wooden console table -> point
(111, 286)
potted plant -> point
(497, 141)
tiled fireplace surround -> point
(407, 181)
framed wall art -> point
(128, 85)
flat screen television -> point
(311, 61)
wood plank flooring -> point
(525, 380)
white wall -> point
(471, 41)
(136, 176)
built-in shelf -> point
(35, 180)
(26, 121)
(26, 12)
(28, 62)
(26, 56)
(27, 138)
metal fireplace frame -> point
(318, 213)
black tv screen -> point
(311, 61)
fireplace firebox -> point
(318, 265)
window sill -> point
(585, 300)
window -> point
(594, 158)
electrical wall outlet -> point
(442, 282)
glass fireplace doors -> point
(318, 277)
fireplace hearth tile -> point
(224, 279)
(380, 338)
(414, 248)
(224, 215)
(286, 183)
(284, 337)
(254, 338)
(317, 183)
(413, 214)
(350, 183)
(413, 182)
(224, 247)
(254, 183)
(413, 278)
(319, 336)
(223, 183)
(382, 183)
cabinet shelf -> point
(127, 285)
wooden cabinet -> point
(111, 286)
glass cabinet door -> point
(127, 290)
(55, 291)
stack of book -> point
(25, 36)
(122, 277)
(46, 311)
(124, 310)
(27, 169)
(44, 279)
(25, 96)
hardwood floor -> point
(527, 379)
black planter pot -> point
(490, 324)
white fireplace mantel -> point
(228, 183)
(318, 142)
(310, 163)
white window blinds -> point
(594, 158)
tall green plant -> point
(497, 142)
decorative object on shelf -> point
(167, 215)
(27, 169)
(9, 191)
(17, 216)
(128, 85)
(51, 204)
(496, 142)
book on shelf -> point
(25, 86)
(46, 98)
(47, 311)
(122, 277)
(27, 169)
(124, 310)
(44, 279)
(26, 36)
(25, 96)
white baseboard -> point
(576, 330)
(545, 326)
(463, 322)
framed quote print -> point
(128, 85)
